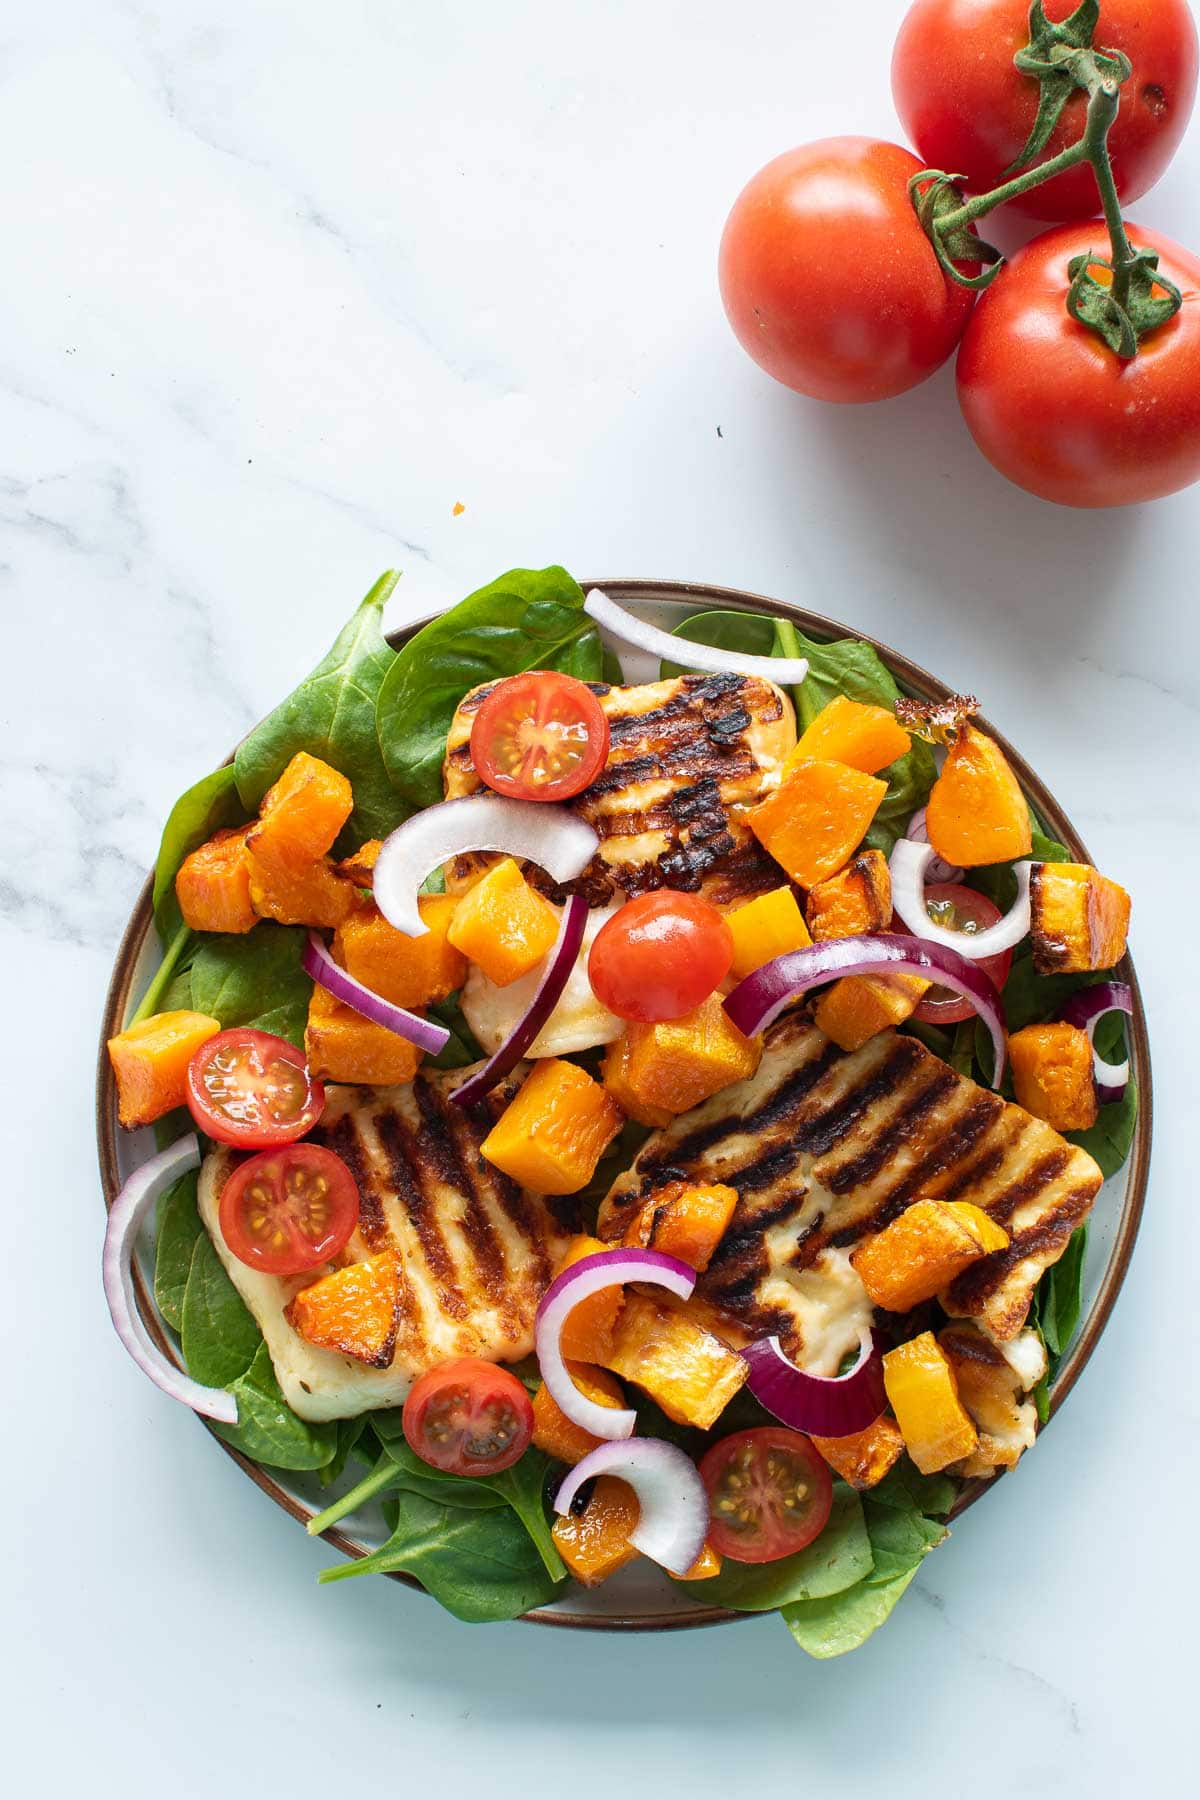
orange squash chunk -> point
(922, 1251)
(1080, 919)
(864, 1457)
(213, 885)
(816, 818)
(684, 1221)
(858, 1006)
(307, 807)
(706, 1565)
(553, 1133)
(850, 731)
(559, 1436)
(355, 1311)
(765, 928)
(617, 1081)
(149, 1061)
(672, 1066)
(858, 899)
(923, 1393)
(408, 971)
(977, 813)
(289, 886)
(594, 1544)
(343, 1046)
(587, 1334)
(687, 1371)
(503, 924)
(1053, 1075)
(360, 868)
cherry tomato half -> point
(289, 1210)
(769, 1494)
(252, 1090)
(960, 909)
(659, 956)
(468, 1417)
(539, 736)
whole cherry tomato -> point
(829, 281)
(970, 110)
(1060, 413)
(659, 956)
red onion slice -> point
(758, 1000)
(1086, 1009)
(784, 671)
(549, 989)
(672, 1502)
(534, 830)
(318, 963)
(911, 864)
(125, 1220)
(590, 1275)
(938, 870)
(822, 1405)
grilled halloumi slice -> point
(687, 757)
(824, 1149)
(477, 1252)
(578, 1021)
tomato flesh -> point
(252, 1090)
(958, 908)
(539, 736)
(769, 1494)
(289, 1210)
(659, 956)
(468, 1417)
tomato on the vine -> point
(828, 279)
(1057, 411)
(539, 736)
(659, 956)
(959, 908)
(970, 110)
(769, 1493)
(468, 1417)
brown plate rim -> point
(918, 681)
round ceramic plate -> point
(641, 1598)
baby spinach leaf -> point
(1060, 1295)
(332, 715)
(748, 634)
(839, 1558)
(267, 1429)
(840, 1622)
(462, 1049)
(220, 1337)
(524, 1488)
(527, 619)
(349, 1431)
(179, 1229)
(584, 658)
(255, 979)
(1109, 1140)
(207, 806)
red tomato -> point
(769, 1494)
(970, 111)
(286, 1211)
(960, 909)
(468, 1417)
(250, 1089)
(1055, 409)
(540, 736)
(829, 281)
(659, 956)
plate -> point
(641, 1598)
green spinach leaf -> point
(220, 1337)
(524, 1488)
(179, 1230)
(1110, 1139)
(268, 1430)
(839, 1558)
(349, 1432)
(207, 806)
(1060, 1295)
(463, 1048)
(255, 979)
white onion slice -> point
(785, 671)
(672, 1502)
(128, 1214)
(910, 865)
(533, 830)
(939, 869)
(590, 1275)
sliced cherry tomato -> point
(468, 1417)
(252, 1090)
(769, 1494)
(960, 909)
(289, 1210)
(659, 956)
(540, 736)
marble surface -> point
(284, 283)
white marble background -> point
(283, 282)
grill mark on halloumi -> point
(343, 1140)
(405, 1172)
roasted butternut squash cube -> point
(857, 1007)
(851, 731)
(977, 813)
(594, 1544)
(993, 1394)
(1079, 918)
(150, 1060)
(923, 1394)
(683, 1368)
(616, 1078)
(864, 1457)
(765, 928)
(408, 971)
(289, 886)
(503, 924)
(672, 1066)
(922, 1251)
(1053, 1072)
(354, 1311)
(559, 1436)
(307, 806)
(706, 1565)
(213, 885)
(587, 1334)
(360, 868)
(684, 1221)
(856, 900)
(343, 1046)
(553, 1133)
(816, 818)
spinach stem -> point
(384, 1475)
(162, 976)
